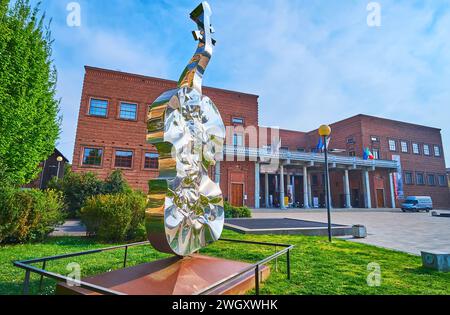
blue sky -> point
(311, 61)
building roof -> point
(388, 120)
(128, 74)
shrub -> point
(115, 217)
(78, 187)
(236, 212)
(115, 183)
(29, 215)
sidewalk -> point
(70, 228)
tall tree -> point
(29, 122)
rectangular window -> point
(351, 153)
(128, 111)
(301, 150)
(350, 140)
(415, 148)
(376, 154)
(151, 160)
(404, 146)
(92, 156)
(426, 149)
(123, 159)
(392, 145)
(420, 179)
(98, 107)
(238, 140)
(237, 120)
(374, 139)
(284, 149)
(408, 178)
(437, 151)
(431, 180)
(441, 179)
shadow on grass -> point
(425, 271)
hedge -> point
(115, 217)
(236, 212)
(29, 215)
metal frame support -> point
(26, 283)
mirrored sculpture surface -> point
(185, 207)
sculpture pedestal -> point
(173, 276)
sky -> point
(310, 61)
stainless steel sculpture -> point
(185, 207)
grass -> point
(317, 266)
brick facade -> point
(112, 133)
(353, 135)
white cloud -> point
(310, 61)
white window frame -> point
(376, 153)
(437, 150)
(404, 146)
(415, 148)
(392, 145)
(426, 150)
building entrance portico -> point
(299, 182)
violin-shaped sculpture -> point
(185, 207)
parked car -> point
(417, 203)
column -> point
(288, 178)
(293, 189)
(217, 173)
(348, 202)
(277, 189)
(306, 188)
(310, 199)
(391, 184)
(266, 189)
(257, 185)
(282, 206)
(366, 184)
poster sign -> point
(316, 202)
(398, 179)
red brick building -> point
(112, 129)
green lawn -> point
(317, 266)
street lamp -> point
(59, 159)
(325, 131)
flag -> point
(367, 155)
(321, 145)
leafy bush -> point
(115, 217)
(236, 212)
(78, 187)
(29, 215)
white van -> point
(417, 203)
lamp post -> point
(325, 131)
(59, 159)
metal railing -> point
(306, 157)
(27, 266)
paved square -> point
(407, 232)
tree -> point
(29, 122)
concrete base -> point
(436, 261)
(285, 226)
(173, 276)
